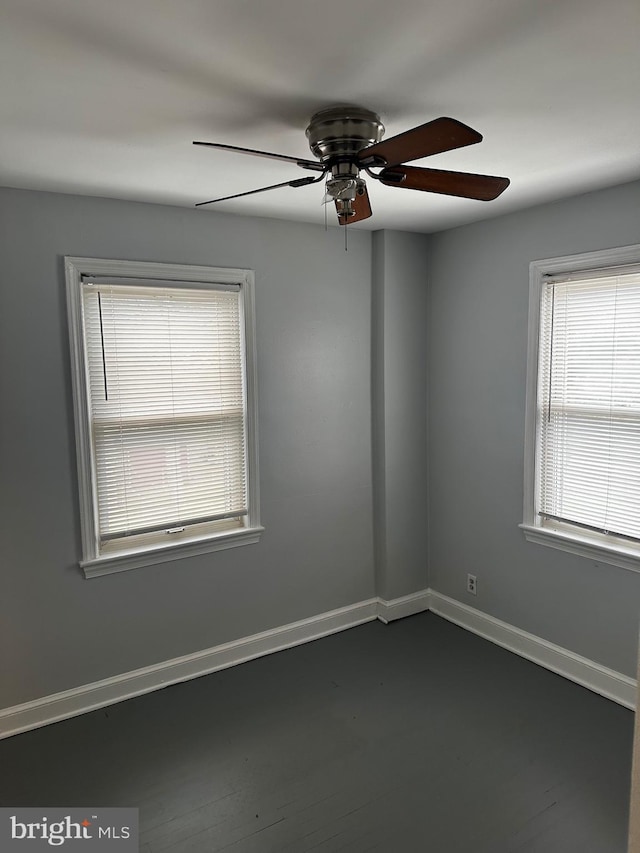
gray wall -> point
(346, 353)
(399, 427)
(477, 361)
(313, 299)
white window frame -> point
(600, 547)
(92, 562)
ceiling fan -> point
(348, 139)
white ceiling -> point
(103, 97)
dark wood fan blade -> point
(441, 134)
(299, 161)
(362, 207)
(298, 182)
(463, 184)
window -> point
(164, 392)
(582, 468)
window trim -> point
(92, 563)
(604, 548)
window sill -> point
(585, 546)
(152, 556)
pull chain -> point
(326, 226)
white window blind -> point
(588, 408)
(166, 395)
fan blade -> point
(298, 182)
(362, 207)
(463, 184)
(299, 161)
(441, 134)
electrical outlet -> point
(472, 584)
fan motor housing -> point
(343, 131)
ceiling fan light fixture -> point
(346, 139)
(344, 188)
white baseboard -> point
(398, 608)
(607, 682)
(99, 694)
(89, 697)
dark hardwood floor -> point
(416, 736)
